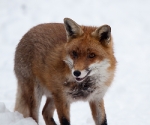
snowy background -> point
(128, 100)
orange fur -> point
(41, 67)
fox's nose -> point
(77, 73)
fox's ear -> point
(103, 34)
(73, 30)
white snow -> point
(128, 100)
(13, 118)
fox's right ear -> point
(73, 30)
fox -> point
(66, 62)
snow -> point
(127, 101)
(13, 118)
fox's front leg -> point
(63, 109)
(98, 112)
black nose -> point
(77, 73)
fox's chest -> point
(86, 91)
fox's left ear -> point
(103, 34)
(73, 30)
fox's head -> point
(89, 50)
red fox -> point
(66, 63)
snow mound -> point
(13, 118)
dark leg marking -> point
(105, 121)
(64, 121)
(52, 120)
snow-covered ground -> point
(128, 100)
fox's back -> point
(36, 45)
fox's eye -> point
(74, 54)
(91, 55)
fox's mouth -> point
(82, 79)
